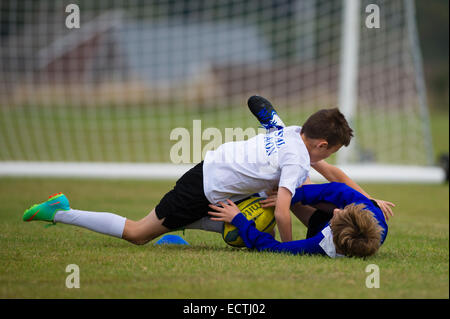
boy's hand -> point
(384, 205)
(226, 213)
(270, 201)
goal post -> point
(348, 98)
(348, 78)
(118, 92)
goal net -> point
(96, 87)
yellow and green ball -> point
(264, 219)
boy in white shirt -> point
(280, 159)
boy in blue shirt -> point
(357, 226)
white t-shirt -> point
(237, 170)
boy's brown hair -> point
(356, 231)
(330, 125)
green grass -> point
(413, 262)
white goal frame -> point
(167, 171)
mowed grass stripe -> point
(413, 262)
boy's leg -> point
(303, 212)
(142, 231)
(181, 206)
(57, 210)
(206, 224)
(137, 232)
(100, 222)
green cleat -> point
(46, 211)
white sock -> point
(105, 223)
(206, 224)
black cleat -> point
(265, 113)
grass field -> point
(413, 262)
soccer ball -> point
(264, 219)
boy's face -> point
(321, 151)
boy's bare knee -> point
(138, 238)
(139, 242)
(143, 231)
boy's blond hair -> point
(356, 231)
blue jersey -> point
(338, 194)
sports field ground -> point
(413, 262)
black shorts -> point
(186, 202)
(317, 222)
(319, 219)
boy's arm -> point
(291, 177)
(335, 174)
(338, 194)
(254, 238)
(282, 214)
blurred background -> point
(115, 88)
(432, 21)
